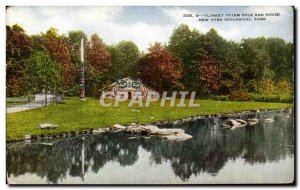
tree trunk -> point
(46, 90)
(55, 96)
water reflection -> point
(207, 152)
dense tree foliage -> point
(43, 73)
(18, 49)
(74, 41)
(98, 62)
(97, 55)
(186, 45)
(191, 60)
(258, 62)
(124, 60)
(209, 74)
(231, 69)
(160, 69)
(60, 52)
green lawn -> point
(77, 115)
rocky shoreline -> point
(42, 137)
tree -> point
(18, 49)
(160, 69)
(231, 69)
(257, 62)
(37, 42)
(227, 56)
(60, 51)
(43, 73)
(214, 45)
(185, 44)
(99, 60)
(209, 74)
(281, 57)
(97, 54)
(124, 60)
(290, 60)
(284, 88)
(266, 87)
(74, 42)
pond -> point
(263, 153)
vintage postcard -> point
(150, 95)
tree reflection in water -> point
(207, 152)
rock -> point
(172, 134)
(242, 122)
(168, 132)
(252, 121)
(100, 130)
(178, 137)
(133, 129)
(27, 137)
(47, 126)
(287, 111)
(142, 129)
(47, 143)
(147, 130)
(231, 123)
(132, 138)
(269, 120)
(167, 122)
(118, 126)
(150, 128)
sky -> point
(145, 25)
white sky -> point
(145, 25)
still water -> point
(255, 154)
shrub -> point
(284, 88)
(220, 98)
(239, 95)
(287, 99)
(271, 98)
(266, 87)
(73, 91)
(269, 92)
(265, 98)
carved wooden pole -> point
(82, 79)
